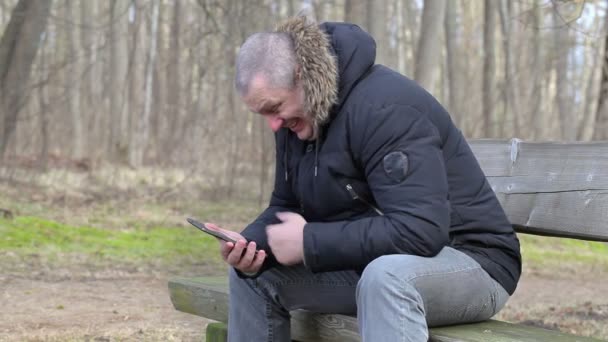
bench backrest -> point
(555, 189)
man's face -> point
(280, 107)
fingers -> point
(243, 256)
(247, 257)
(240, 255)
(225, 248)
(236, 253)
(255, 266)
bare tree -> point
(537, 76)
(74, 76)
(561, 41)
(510, 93)
(377, 12)
(355, 11)
(451, 41)
(427, 56)
(489, 62)
(601, 118)
(142, 131)
(18, 49)
(173, 77)
(119, 65)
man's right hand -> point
(240, 255)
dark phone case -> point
(203, 228)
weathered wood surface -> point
(497, 331)
(557, 189)
(216, 332)
(208, 297)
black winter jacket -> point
(389, 174)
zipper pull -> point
(351, 191)
(354, 195)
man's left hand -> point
(286, 239)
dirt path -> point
(136, 308)
(133, 309)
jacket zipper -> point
(355, 196)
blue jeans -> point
(395, 299)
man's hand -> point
(286, 239)
(240, 255)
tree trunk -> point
(427, 56)
(142, 131)
(561, 41)
(138, 55)
(601, 118)
(119, 65)
(18, 49)
(74, 75)
(229, 54)
(510, 94)
(174, 107)
(160, 84)
(355, 12)
(451, 41)
(95, 90)
(43, 109)
(377, 23)
(587, 125)
(488, 67)
(537, 65)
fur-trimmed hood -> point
(329, 66)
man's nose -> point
(274, 122)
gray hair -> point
(270, 54)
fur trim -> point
(318, 67)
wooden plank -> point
(557, 189)
(208, 297)
(497, 331)
(584, 163)
(579, 214)
(216, 332)
(309, 327)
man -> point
(379, 207)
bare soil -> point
(108, 306)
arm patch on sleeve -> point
(396, 165)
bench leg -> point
(216, 332)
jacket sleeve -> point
(415, 206)
(282, 199)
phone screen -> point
(203, 228)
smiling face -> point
(281, 107)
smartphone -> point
(215, 233)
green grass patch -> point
(49, 239)
(27, 236)
(550, 251)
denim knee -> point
(378, 277)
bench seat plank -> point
(208, 297)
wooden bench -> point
(553, 189)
